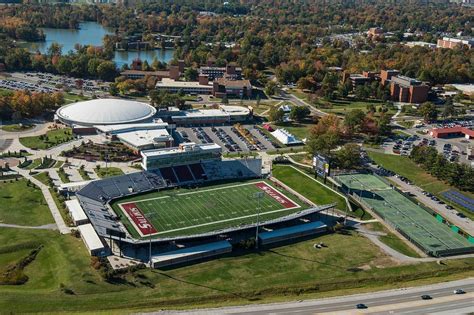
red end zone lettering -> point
(285, 202)
(141, 222)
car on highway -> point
(361, 306)
(426, 297)
(459, 291)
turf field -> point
(193, 211)
(406, 216)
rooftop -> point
(183, 147)
(166, 82)
(139, 138)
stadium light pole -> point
(258, 195)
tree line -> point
(456, 174)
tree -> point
(275, 114)
(354, 120)
(299, 113)
(428, 111)
(107, 71)
(271, 88)
(348, 157)
(449, 109)
(323, 143)
(191, 74)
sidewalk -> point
(63, 228)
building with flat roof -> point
(225, 114)
(386, 75)
(450, 43)
(76, 212)
(457, 131)
(408, 90)
(146, 139)
(92, 240)
(185, 153)
(231, 87)
(140, 74)
(188, 87)
(230, 71)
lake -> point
(91, 33)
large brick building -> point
(408, 90)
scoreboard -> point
(321, 165)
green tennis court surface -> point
(410, 219)
(195, 211)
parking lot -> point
(46, 82)
(229, 138)
(454, 150)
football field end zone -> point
(145, 228)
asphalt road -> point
(399, 301)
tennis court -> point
(194, 211)
(410, 219)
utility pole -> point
(258, 195)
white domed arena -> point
(105, 112)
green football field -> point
(202, 210)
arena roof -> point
(105, 112)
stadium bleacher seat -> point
(198, 171)
(169, 175)
(183, 173)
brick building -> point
(408, 90)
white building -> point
(185, 153)
(76, 212)
(92, 240)
(188, 87)
(285, 137)
(225, 114)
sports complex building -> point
(421, 226)
(189, 206)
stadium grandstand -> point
(194, 203)
(417, 224)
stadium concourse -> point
(421, 226)
(193, 208)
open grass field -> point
(300, 130)
(289, 272)
(392, 240)
(307, 187)
(194, 211)
(52, 138)
(405, 167)
(23, 205)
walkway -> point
(63, 228)
(51, 226)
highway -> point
(398, 301)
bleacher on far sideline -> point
(291, 232)
(190, 254)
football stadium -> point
(187, 209)
(417, 224)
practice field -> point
(202, 210)
(410, 219)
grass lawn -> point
(43, 177)
(104, 172)
(63, 176)
(405, 167)
(53, 137)
(309, 188)
(34, 164)
(23, 205)
(84, 174)
(71, 98)
(392, 240)
(285, 273)
(17, 127)
(58, 164)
